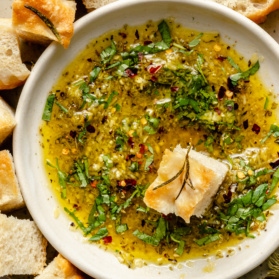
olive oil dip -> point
(126, 98)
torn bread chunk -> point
(205, 175)
(256, 10)
(22, 247)
(7, 120)
(95, 4)
(43, 21)
(13, 72)
(10, 195)
(60, 268)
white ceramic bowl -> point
(248, 38)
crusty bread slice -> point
(22, 247)
(12, 71)
(7, 120)
(31, 27)
(60, 268)
(205, 176)
(10, 195)
(95, 4)
(256, 10)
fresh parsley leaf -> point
(207, 239)
(244, 75)
(158, 235)
(195, 41)
(273, 131)
(94, 74)
(102, 232)
(48, 107)
(134, 166)
(165, 32)
(121, 228)
(76, 219)
(121, 140)
(108, 53)
(275, 180)
(152, 126)
(110, 98)
(62, 178)
(81, 169)
(181, 244)
(65, 110)
(108, 162)
(149, 160)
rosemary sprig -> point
(47, 21)
(187, 174)
(186, 177)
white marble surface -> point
(271, 26)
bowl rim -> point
(79, 25)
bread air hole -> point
(9, 52)
(259, 4)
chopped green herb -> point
(273, 131)
(196, 41)
(108, 53)
(244, 75)
(65, 110)
(165, 32)
(62, 178)
(94, 74)
(102, 232)
(158, 235)
(48, 107)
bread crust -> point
(7, 120)
(10, 195)
(257, 11)
(95, 4)
(261, 15)
(60, 268)
(30, 26)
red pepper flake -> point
(94, 183)
(130, 157)
(217, 110)
(174, 88)
(167, 217)
(140, 56)
(153, 69)
(131, 72)
(154, 79)
(228, 196)
(131, 142)
(142, 148)
(107, 239)
(129, 182)
(256, 128)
